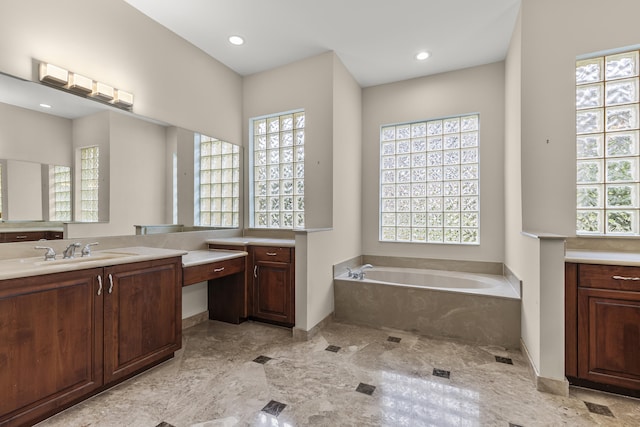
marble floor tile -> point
(345, 376)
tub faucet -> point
(361, 271)
(70, 252)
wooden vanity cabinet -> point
(142, 315)
(50, 343)
(272, 284)
(603, 327)
(66, 336)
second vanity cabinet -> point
(603, 326)
(273, 291)
(65, 336)
(268, 293)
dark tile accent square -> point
(506, 360)
(262, 359)
(441, 373)
(365, 389)
(514, 425)
(599, 409)
(274, 408)
(333, 348)
(165, 424)
(394, 339)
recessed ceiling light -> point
(45, 105)
(236, 40)
(421, 56)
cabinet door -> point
(142, 315)
(273, 292)
(609, 337)
(50, 343)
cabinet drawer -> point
(609, 277)
(27, 236)
(270, 253)
(213, 270)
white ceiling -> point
(376, 39)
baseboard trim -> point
(546, 385)
(195, 319)
(302, 335)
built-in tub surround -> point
(482, 309)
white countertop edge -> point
(138, 254)
(602, 257)
(543, 236)
(200, 257)
(251, 241)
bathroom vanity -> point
(269, 283)
(72, 328)
(602, 321)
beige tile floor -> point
(213, 381)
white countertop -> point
(252, 241)
(36, 266)
(205, 257)
(602, 257)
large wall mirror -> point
(120, 169)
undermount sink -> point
(95, 256)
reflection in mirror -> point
(145, 174)
(217, 182)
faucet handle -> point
(50, 255)
(86, 251)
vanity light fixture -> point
(80, 83)
(102, 91)
(83, 86)
(123, 98)
(236, 40)
(52, 74)
(421, 56)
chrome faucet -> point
(364, 267)
(358, 274)
(50, 255)
(70, 252)
(86, 251)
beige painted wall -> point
(49, 142)
(306, 84)
(553, 34)
(172, 80)
(478, 89)
(326, 248)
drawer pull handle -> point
(625, 278)
(110, 283)
(218, 270)
(99, 285)
(21, 237)
(255, 271)
(272, 253)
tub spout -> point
(360, 273)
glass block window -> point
(217, 182)
(430, 181)
(607, 145)
(60, 193)
(89, 183)
(277, 171)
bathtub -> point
(481, 309)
